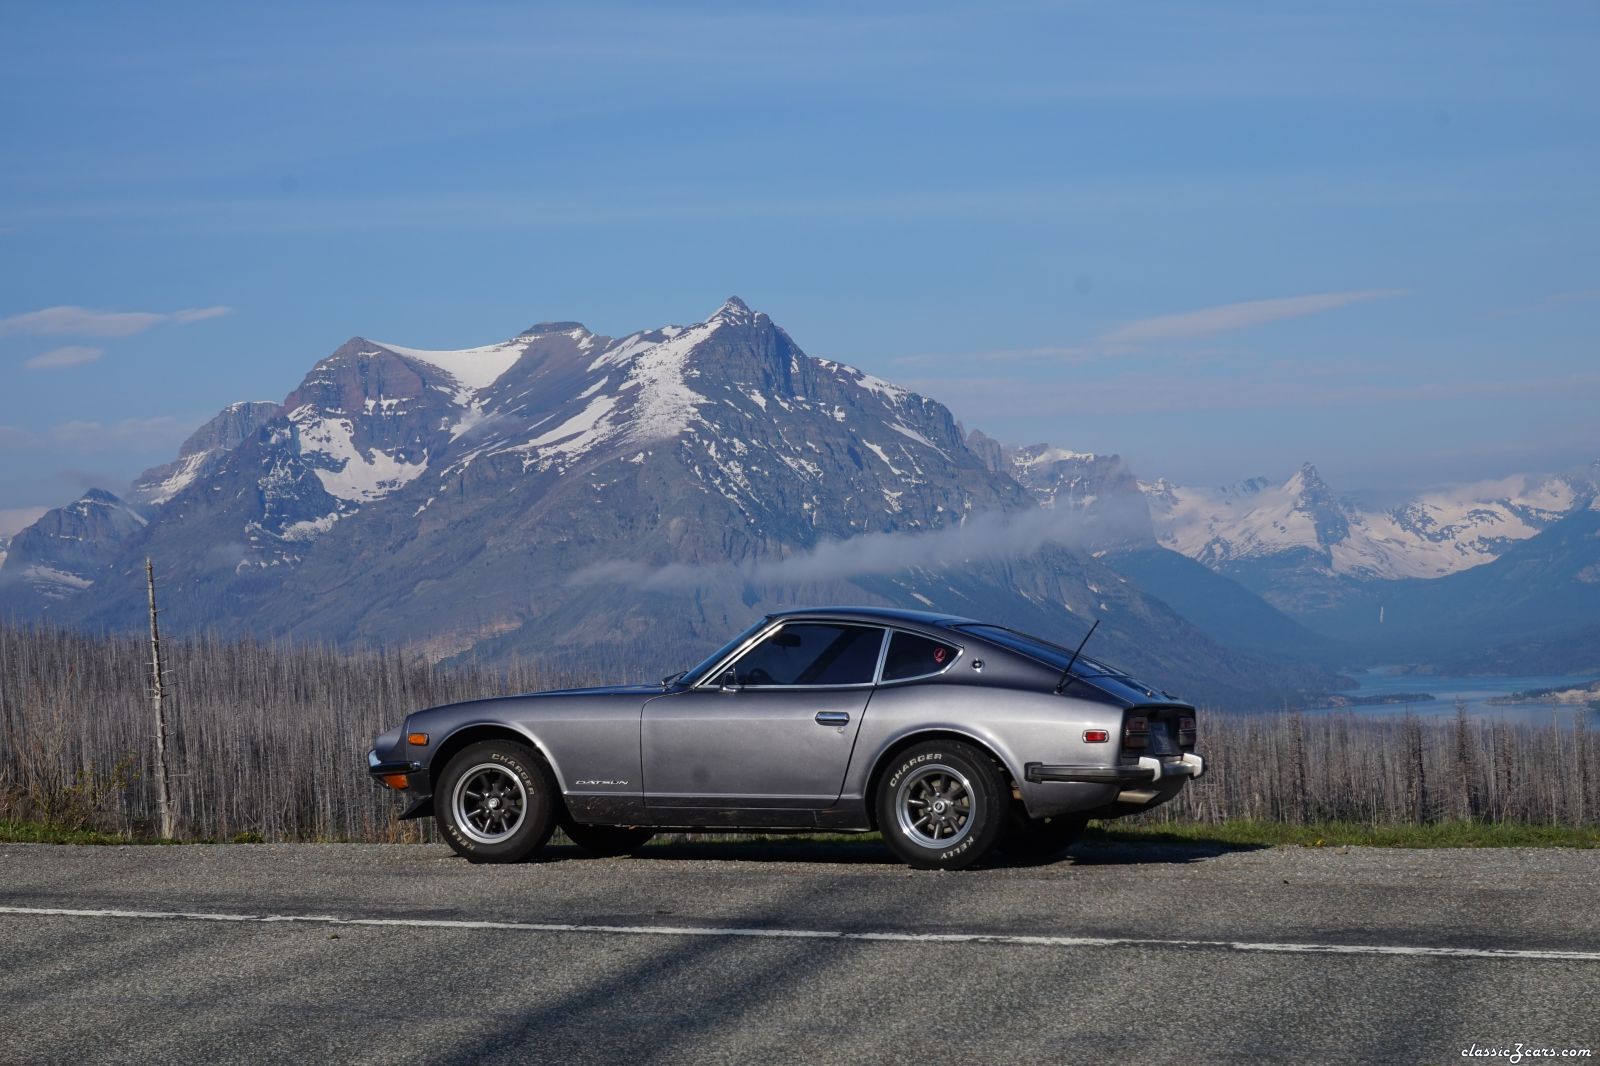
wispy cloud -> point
(58, 358)
(86, 437)
(69, 321)
(1131, 337)
(1228, 318)
(1055, 353)
(134, 433)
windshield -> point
(699, 670)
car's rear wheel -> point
(1040, 839)
(607, 840)
(495, 802)
(940, 805)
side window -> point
(911, 655)
(812, 653)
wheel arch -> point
(880, 765)
(480, 731)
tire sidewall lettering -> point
(514, 765)
(911, 764)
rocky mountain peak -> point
(540, 329)
(985, 447)
(230, 427)
(735, 311)
(1307, 481)
(1314, 499)
(98, 497)
(63, 552)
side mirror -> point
(729, 681)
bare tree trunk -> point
(158, 692)
(1416, 770)
(1465, 778)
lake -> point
(1475, 691)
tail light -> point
(1136, 732)
(1186, 732)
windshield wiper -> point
(666, 682)
(1066, 675)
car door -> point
(773, 730)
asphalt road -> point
(793, 952)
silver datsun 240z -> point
(951, 737)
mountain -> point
(64, 551)
(1113, 520)
(1541, 594)
(1307, 551)
(1221, 607)
(1098, 493)
(620, 505)
(201, 453)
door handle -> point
(833, 718)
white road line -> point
(1002, 939)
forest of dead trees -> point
(268, 742)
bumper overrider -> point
(414, 782)
(1147, 771)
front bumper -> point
(1148, 771)
(417, 789)
(379, 767)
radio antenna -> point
(1066, 675)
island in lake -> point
(1589, 694)
(1338, 699)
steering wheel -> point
(758, 676)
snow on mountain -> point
(348, 472)
(472, 369)
(1436, 534)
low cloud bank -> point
(983, 537)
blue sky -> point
(1219, 239)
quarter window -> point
(911, 655)
(812, 653)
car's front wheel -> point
(495, 802)
(608, 840)
(941, 805)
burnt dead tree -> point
(158, 704)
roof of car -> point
(872, 614)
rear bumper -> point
(1148, 771)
